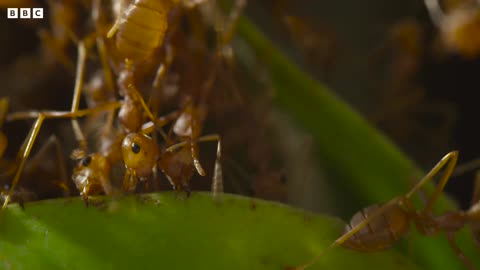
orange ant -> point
(459, 28)
(91, 175)
(73, 114)
(24, 195)
(141, 155)
(130, 114)
(133, 28)
(40, 117)
(378, 227)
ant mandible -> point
(378, 227)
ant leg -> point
(451, 240)
(114, 28)
(126, 180)
(82, 57)
(195, 131)
(84, 194)
(423, 196)
(476, 189)
(170, 180)
(195, 156)
(475, 228)
(467, 167)
(217, 181)
(224, 51)
(32, 135)
(237, 10)
(25, 152)
(107, 72)
(162, 69)
(109, 81)
(159, 123)
(38, 158)
(435, 11)
(129, 181)
(350, 233)
(217, 184)
(63, 114)
(154, 180)
(163, 120)
(138, 97)
(450, 159)
(116, 25)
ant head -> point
(90, 172)
(140, 153)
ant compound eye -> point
(135, 148)
(86, 161)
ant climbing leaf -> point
(365, 161)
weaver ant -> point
(378, 227)
(141, 153)
(459, 28)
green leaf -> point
(363, 160)
(160, 231)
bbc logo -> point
(25, 13)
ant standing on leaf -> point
(86, 181)
(91, 174)
(9, 168)
(40, 117)
(140, 151)
(142, 157)
(379, 227)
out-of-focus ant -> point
(378, 227)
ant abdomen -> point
(381, 232)
(142, 28)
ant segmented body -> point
(141, 28)
(378, 227)
(91, 176)
(143, 22)
(141, 157)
